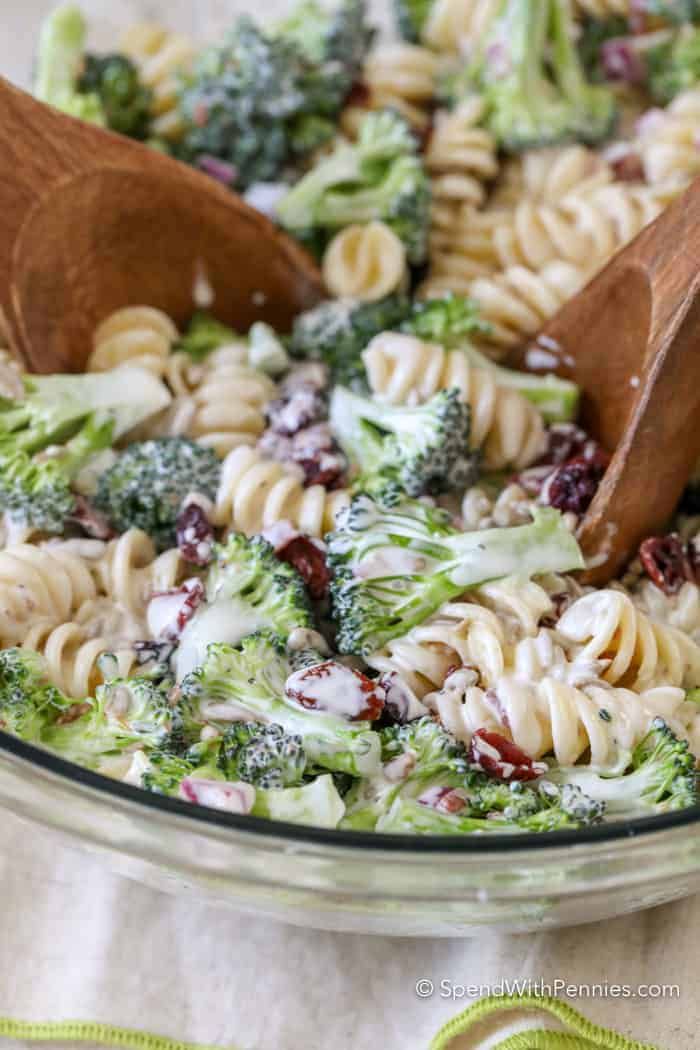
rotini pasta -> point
(135, 335)
(365, 262)
(220, 402)
(161, 56)
(551, 715)
(460, 156)
(403, 369)
(72, 654)
(639, 653)
(518, 301)
(667, 144)
(128, 571)
(456, 25)
(401, 77)
(40, 584)
(255, 493)
(582, 229)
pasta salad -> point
(331, 576)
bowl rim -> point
(203, 817)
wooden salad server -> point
(631, 340)
(91, 221)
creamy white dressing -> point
(305, 638)
(225, 620)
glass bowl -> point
(356, 881)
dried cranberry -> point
(331, 686)
(310, 562)
(501, 758)
(667, 562)
(195, 534)
(564, 441)
(316, 451)
(311, 375)
(628, 167)
(572, 486)
(91, 521)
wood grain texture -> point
(631, 339)
(90, 221)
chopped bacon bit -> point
(443, 799)
(501, 758)
(91, 521)
(72, 714)
(668, 562)
(310, 562)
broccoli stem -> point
(59, 65)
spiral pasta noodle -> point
(40, 584)
(365, 261)
(552, 716)
(160, 56)
(461, 156)
(135, 335)
(667, 144)
(127, 570)
(455, 25)
(256, 492)
(492, 629)
(402, 369)
(517, 301)
(639, 653)
(402, 77)
(220, 402)
(72, 656)
(584, 230)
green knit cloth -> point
(579, 1034)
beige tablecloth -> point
(79, 942)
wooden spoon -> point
(631, 340)
(90, 221)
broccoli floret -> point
(259, 101)
(423, 449)
(204, 334)
(337, 331)
(659, 776)
(674, 65)
(147, 485)
(252, 679)
(317, 803)
(60, 64)
(533, 82)
(452, 320)
(166, 771)
(125, 714)
(393, 567)
(439, 766)
(336, 39)
(29, 703)
(379, 177)
(247, 589)
(262, 755)
(411, 17)
(60, 425)
(126, 102)
(408, 816)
